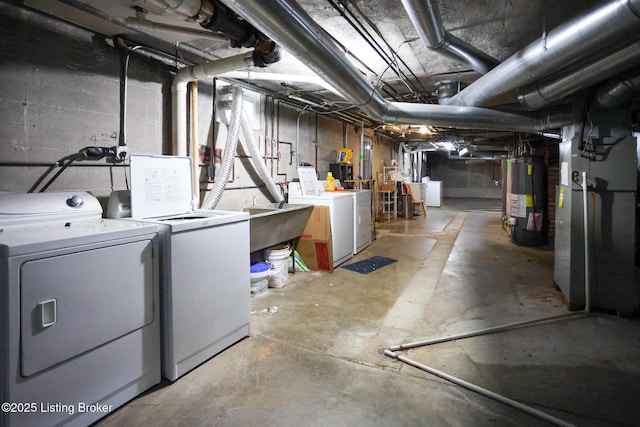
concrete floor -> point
(314, 360)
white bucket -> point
(259, 281)
(279, 258)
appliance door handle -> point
(48, 312)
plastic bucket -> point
(279, 258)
(259, 273)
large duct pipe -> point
(618, 91)
(611, 25)
(425, 16)
(547, 91)
(289, 25)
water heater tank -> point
(527, 201)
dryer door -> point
(74, 302)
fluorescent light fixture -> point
(463, 151)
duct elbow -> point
(266, 52)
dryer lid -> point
(161, 186)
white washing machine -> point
(361, 219)
(79, 310)
(205, 278)
(341, 212)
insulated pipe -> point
(611, 25)
(483, 391)
(230, 148)
(170, 47)
(144, 25)
(618, 91)
(290, 26)
(179, 92)
(547, 91)
(587, 268)
(425, 16)
(258, 163)
(278, 77)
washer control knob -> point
(75, 201)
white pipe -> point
(155, 27)
(195, 160)
(179, 92)
(230, 148)
(294, 78)
(477, 389)
(494, 329)
(258, 163)
(587, 270)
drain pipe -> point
(425, 16)
(212, 199)
(179, 92)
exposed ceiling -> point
(377, 37)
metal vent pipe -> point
(609, 26)
(618, 91)
(546, 91)
(425, 16)
(290, 26)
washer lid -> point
(161, 186)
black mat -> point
(368, 265)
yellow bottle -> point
(331, 183)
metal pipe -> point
(587, 268)
(480, 390)
(425, 16)
(546, 91)
(486, 331)
(290, 26)
(617, 91)
(609, 26)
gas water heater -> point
(527, 201)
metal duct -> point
(425, 16)
(609, 26)
(618, 91)
(550, 90)
(288, 24)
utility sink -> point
(271, 225)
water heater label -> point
(518, 205)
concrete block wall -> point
(59, 93)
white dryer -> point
(79, 317)
(205, 277)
